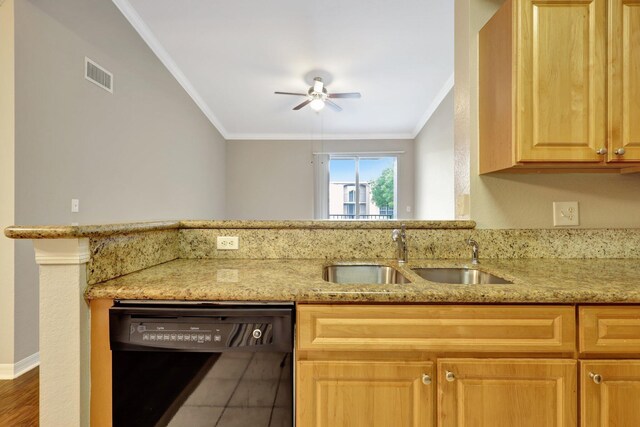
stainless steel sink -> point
(370, 274)
(464, 276)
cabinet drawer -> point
(609, 329)
(477, 329)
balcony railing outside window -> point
(342, 216)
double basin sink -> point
(384, 275)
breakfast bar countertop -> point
(559, 281)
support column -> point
(7, 189)
(64, 332)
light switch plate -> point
(566, 214)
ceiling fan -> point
(317, 96)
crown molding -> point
(442, 93)
(315, 137)
(147, 35)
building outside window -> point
(375, 178)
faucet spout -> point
(400, 237)
(475, 250)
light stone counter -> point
(535, 281)
(103, 230)
(282, 261)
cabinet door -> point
(624, 80)
(506, 393)
(364, 394)
(610, 393)
(561, 77)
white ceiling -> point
(231, 56)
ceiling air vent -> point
(98, 75)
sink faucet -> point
(400, 237)
(475, 249)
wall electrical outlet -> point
(565, 214)
(226, 243)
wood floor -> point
(19, 400)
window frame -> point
(322, 199)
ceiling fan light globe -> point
(317, 104)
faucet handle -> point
(399, 233)
(400, 237)
(475, 247)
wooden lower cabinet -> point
(610, 393)
(364, 394)
(488, 374)
(507, 393)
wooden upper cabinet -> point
(557, 80)
(610, 393)
(507, 393)
(624, 80)
(561, 74)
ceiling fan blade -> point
(297, 107)
(290, 93)
(345, 95)
(333, 105)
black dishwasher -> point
(202, 364)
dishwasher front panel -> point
(177, 366)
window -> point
(386, 210)
(375, 181)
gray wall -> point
(525, 201)
(146, 152)
(275, 179)
(269, 180)
(434, 165)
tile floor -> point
(241, 390)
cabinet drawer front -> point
(477, 329)
(609, 330)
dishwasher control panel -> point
(162, 327)
(202, 336)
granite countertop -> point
(534, 281)
(102, 230)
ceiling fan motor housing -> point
(318, 95)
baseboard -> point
(10, 371)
